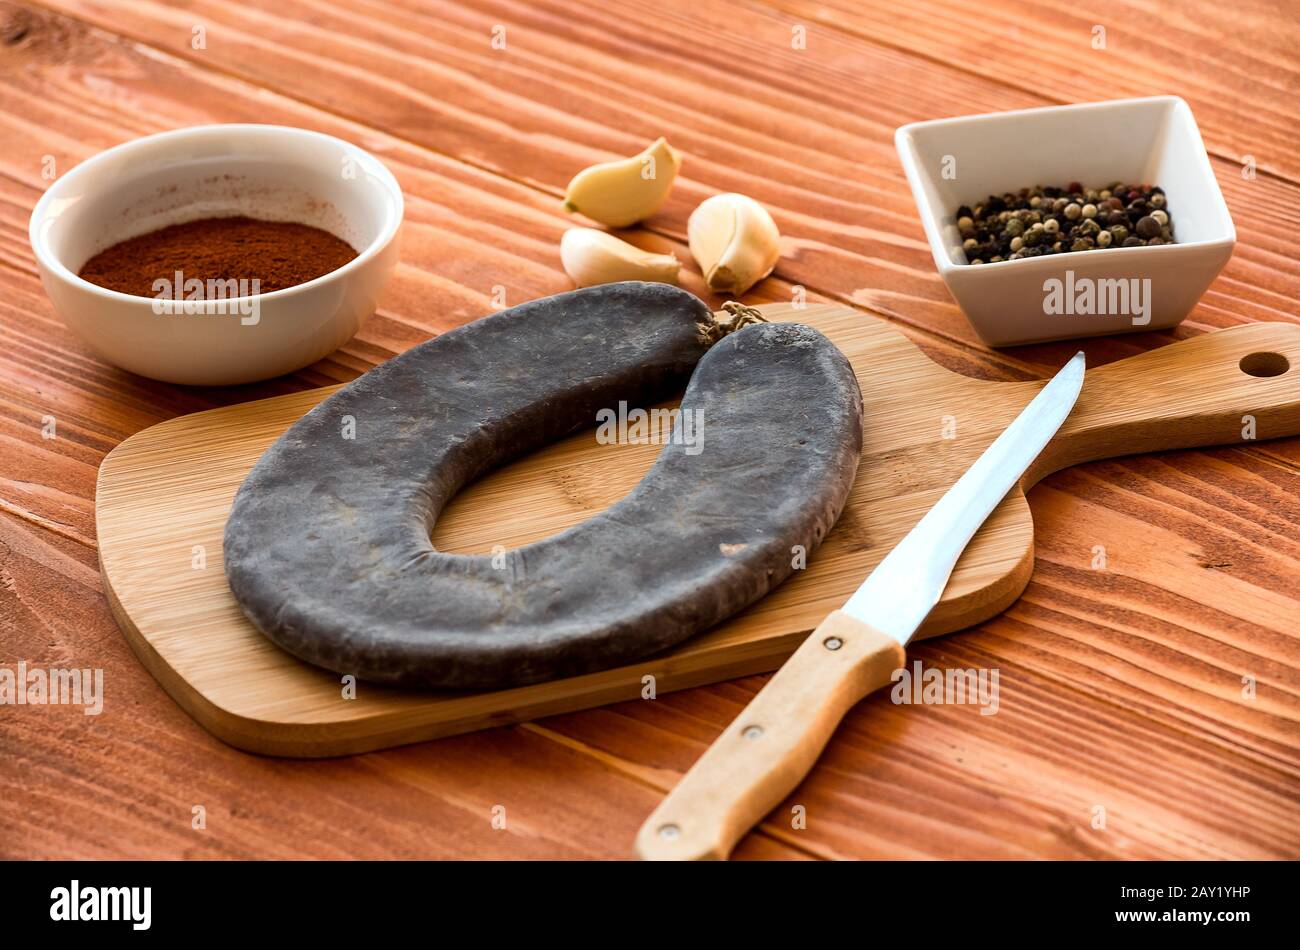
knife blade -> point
(898, 595)
(771, 746)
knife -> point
(767, 751)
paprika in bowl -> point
(178, 200)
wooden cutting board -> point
(163, 496)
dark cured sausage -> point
(327, 548)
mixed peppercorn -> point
(1036, 221)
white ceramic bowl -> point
(261, 171)
(1154, 141)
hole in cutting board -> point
(1264, 364)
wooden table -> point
(1121, 690)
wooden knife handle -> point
(767, 751)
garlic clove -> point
(597, 257)
(622, 192)
(735, 242)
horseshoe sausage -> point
(328, 549)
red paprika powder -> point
(277, 254)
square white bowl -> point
(1154, 141)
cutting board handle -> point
(1230, 386)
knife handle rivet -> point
(752, 732)
(669, 832)
(832, 643)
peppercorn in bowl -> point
(1070, 221)
(1037, 221)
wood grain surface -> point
(1121, 689)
